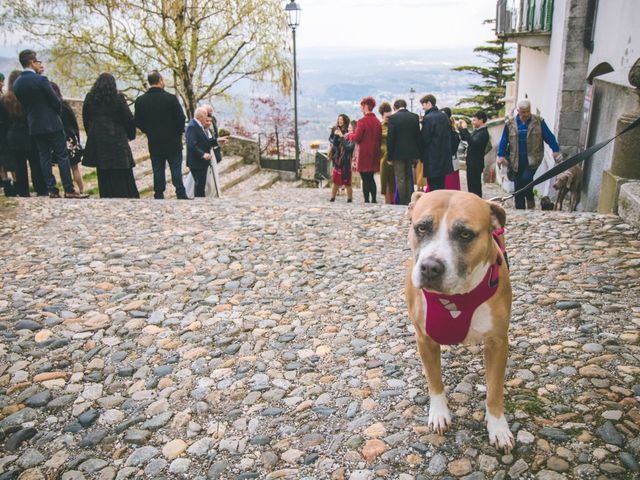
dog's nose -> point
(432, 268)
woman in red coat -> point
(367, 136)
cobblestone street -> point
(265, 336)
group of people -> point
(412, 153)
(38, 128)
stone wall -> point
(609, 102)
(242, 147)
(573, 83)
(76, 105)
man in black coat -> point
(436, 144)
(403, 148)
(199, 146)
(477, 142)
(42, 107)
(160, 117)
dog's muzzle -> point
(432, 271)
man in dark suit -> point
(403, 147)
(160, 117)
(199, 145)
(43, 107)
(478, 145)
(436, 144)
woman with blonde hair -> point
(387, 176)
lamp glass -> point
(293, 11)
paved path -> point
(265, 336)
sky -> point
(394, 24)
(382, 24)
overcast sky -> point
(405, 24)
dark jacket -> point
(16, 131)
(455, 142)
(477, 146)
(40, 103)
(109, 128)
(403, 140)
(69, 121)
(342, 153)
(4, 128)
(436, 144)
(198, 144)
(160, 116)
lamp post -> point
(293, 11)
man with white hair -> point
(199, 146)
(522, 148)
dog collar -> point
(448, 317)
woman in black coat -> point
(109, 125)
(21, 149)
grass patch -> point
(531, 407)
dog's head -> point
(451, 239)
(546, 203)
(562, 180)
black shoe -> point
(9, 188)
(349, 200)
(332, 199)
(54, 195)
(184, 198)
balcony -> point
(526, 22)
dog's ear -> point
(498, 216)
(414, 199)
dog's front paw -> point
(439, 415)
(499, 434)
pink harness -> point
(449, 316)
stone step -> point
(238, 175)
(234, 172)
(262, 180)
(145, 168)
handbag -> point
(75, 150)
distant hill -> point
(334, 81)
(7, 65)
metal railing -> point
(523, 16)
(323, 167)
(282, 164)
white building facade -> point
(573, 63)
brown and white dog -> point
(454, 253)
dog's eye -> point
(465, 235)
(422, 229)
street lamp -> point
(412, 93)
(293, 12)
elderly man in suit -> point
(200, 143)
(403, 147)
(43, 107)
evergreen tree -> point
(495, 73)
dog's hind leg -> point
(495, 358)
(439, 415)
(561, 193)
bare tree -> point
(204, 46)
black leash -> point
(567, 164)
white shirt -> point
(206, 131)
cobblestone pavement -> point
(265, 336)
